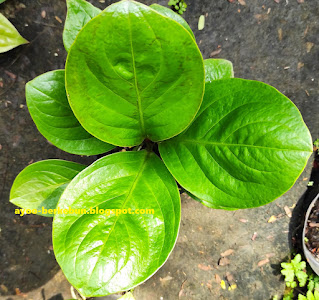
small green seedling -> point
(297, 278)
(178, 6)
(135, 83)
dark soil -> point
(312, 231)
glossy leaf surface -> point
(9, 36)
(79, 13)
(218, 69)
(134, 74)
(167, 12)
(102, 254)
(247, 146)
(42, 183)
(51, 112)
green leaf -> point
(128, 64)
(302, 278)
(247, 146)
(1, 1)
(79, 13)
(218, 69)
(127, 296)
(316, 294)
(9, 36)
(170, 14)
(102, 254)
(42, 183)
(302, 297)
(288, 273)
(310, 296)
(51, 112)
(311, 285)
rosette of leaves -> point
(135, 78)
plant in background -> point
(297, 278)
(9, 36)
(135, 78)
(178, 5)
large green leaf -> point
(51, 112)
(1, 1)
(9, 36)
(42, 183)
(218, 69)
(102, 254)
(134, 74)
(247, 146)
(79, 13)
(167, 12)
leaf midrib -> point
(139, 104)
(139, 173)
(191, 141)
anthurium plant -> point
(135, 83)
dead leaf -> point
(223, 285)
(300, 1)
(229, 277)
(43, 14)
(243, 220)
(306, 31)
(181, 292)
(263, 262)
(272, 219)
(58, 19)
(280, 34)
(261, 17)
(269, 255)
(4, 288)
(277, 1)
(313, 224)
(10, 74)
(166, 278)
(232, 287)
(231, 1)
(300, 65)
(242, 2)
(227, 253)
(254, 236)
(209, 285)
(204, 268)
(217, 278)
(216, 52)
(287, 211)
(224, 261)
(307, 93)
(309, 46)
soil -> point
(273, 41)
(312, 228)
(312, 231)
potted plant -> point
(135, 83)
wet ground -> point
(277, 43)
